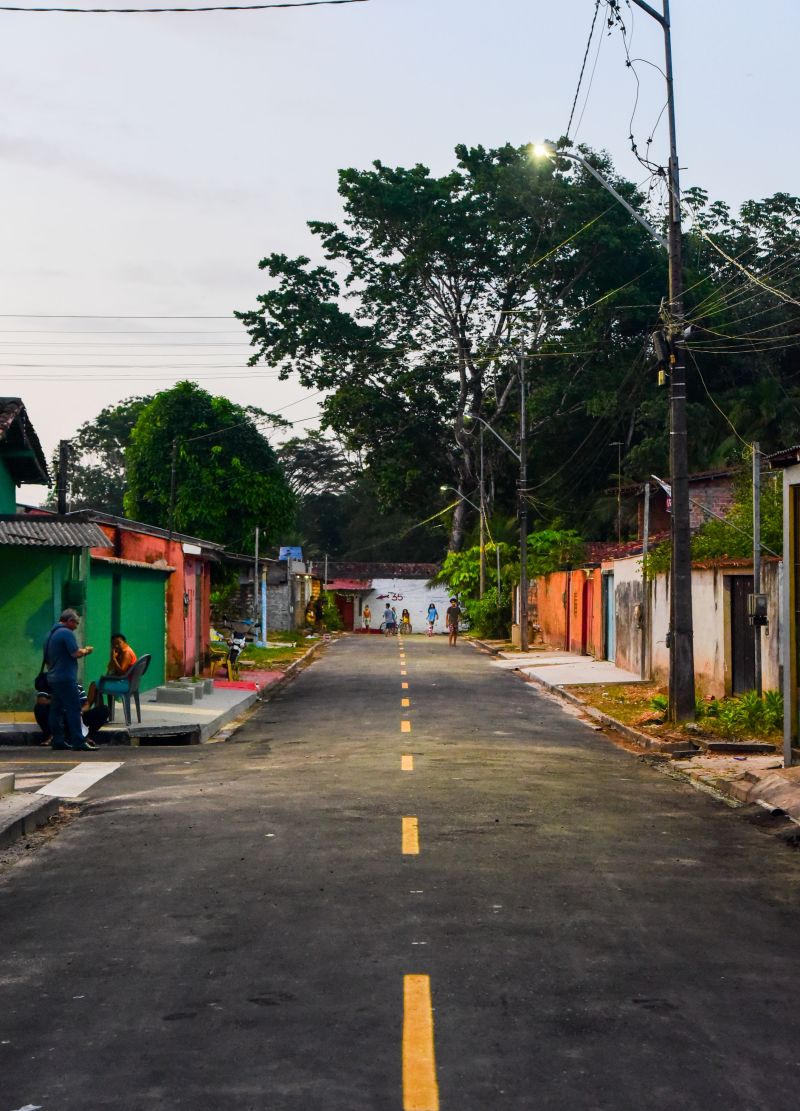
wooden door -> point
(743, 661)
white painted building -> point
(402, 585)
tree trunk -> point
(457, 528)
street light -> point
(681, 649)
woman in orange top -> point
(123, 656)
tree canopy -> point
(227, 478)
(435, 285)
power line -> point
(583, 66)
(184, 11)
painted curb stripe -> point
(420, 1089)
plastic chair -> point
(124, 686)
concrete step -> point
(7, 781)
(22, 813)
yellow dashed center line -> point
(420, 1089)
(406, 762)
(405, 726)
(403, 671)
(405, 701)
(404, 686)
(410, 837)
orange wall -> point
(562, 626)
(144, 548)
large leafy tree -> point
(433, 286)
(227, 479)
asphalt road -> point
(247, 925)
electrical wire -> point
(583, 66)
(185, 11)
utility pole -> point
(618, 445)
(62, 483)
(644, 664)
(255, 585)
(172, 474)
(757, 565)
(523, 511)
(681, 634)
(482, 579)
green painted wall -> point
(129, 601)
(8, 490)
(30, 602)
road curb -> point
(22, 814)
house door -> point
(743, 662)
(586, 616)
(609, 618)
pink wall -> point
(578, 625)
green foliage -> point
(489, 616)
(748, 715)
(432, 284)
(227, 477)
(330, 614)
(660, 703)
(224, 588)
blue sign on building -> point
(290, 553)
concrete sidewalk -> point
(562, 669)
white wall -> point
(711, 623)
(410, 594)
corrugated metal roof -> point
(50, 532)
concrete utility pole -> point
(681, 635)
(482, 499)
(618, 445)
(62, 483)
(757, 565)
(644, 663)
(523, 511)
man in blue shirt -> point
(62, 653)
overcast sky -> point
(147, 162)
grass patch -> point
(643, 706)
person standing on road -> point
(62, 653)
(432, 618)
(389, 620)
(452, 618)
(367, 617)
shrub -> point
(489, 616)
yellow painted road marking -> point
(406, 762)
(404, 686)
(405, 701)
(405, 726)
(420, 1089)
(403, 672)
(410, 837)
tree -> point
(97, 471)
(227, 479)
(443, 279)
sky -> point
(148, 162)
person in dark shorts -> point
(93, 717)
(452, 618)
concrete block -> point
(177, 695)
(188, 683)
(6, 784)
(208, 686)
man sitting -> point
(92, 717)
